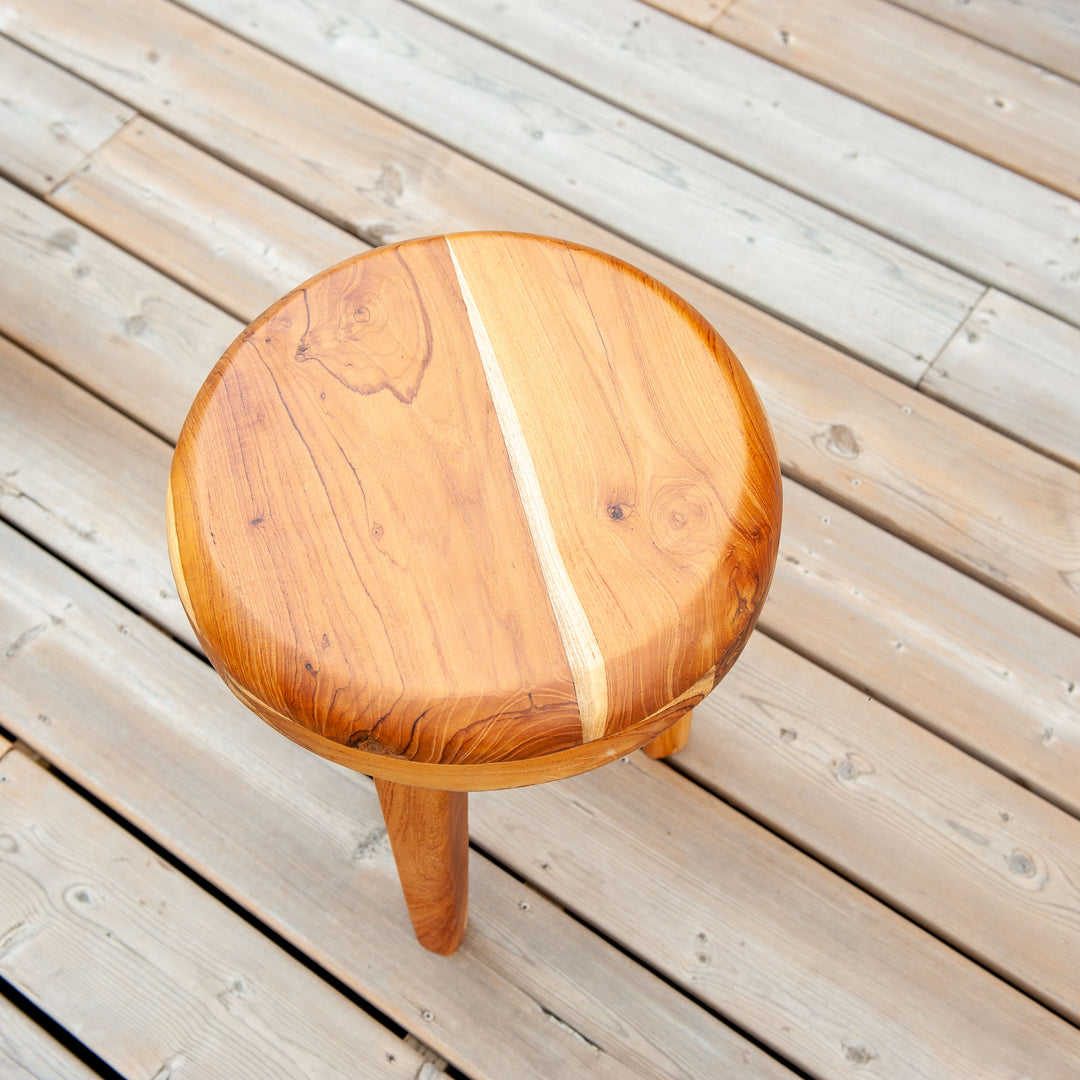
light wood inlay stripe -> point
(582, 650)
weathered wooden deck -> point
(867, 862)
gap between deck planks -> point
(825, 580)
(152, 972)
(762, 916)
(32, 1053)
(976, 96)
(952, 205)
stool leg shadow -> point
(429, 835)
(671, 740)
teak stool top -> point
(475, 511)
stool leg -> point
(429, 835)
(671, 740)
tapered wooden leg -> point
(429, 835)
(671, 740)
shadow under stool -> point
(474, 512)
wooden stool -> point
(474, 512)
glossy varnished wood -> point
(672, 740)
(429, 835)
(475, 511)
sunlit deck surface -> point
(867, 861)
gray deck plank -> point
(979, 97)
(1017, 369)
(49, 119)
(1046, 32)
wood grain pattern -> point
(397, 627)
(429, 834)
(452, 490)
(658, 437)
(486, 776)
(579, 642)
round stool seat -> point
(475, 511)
